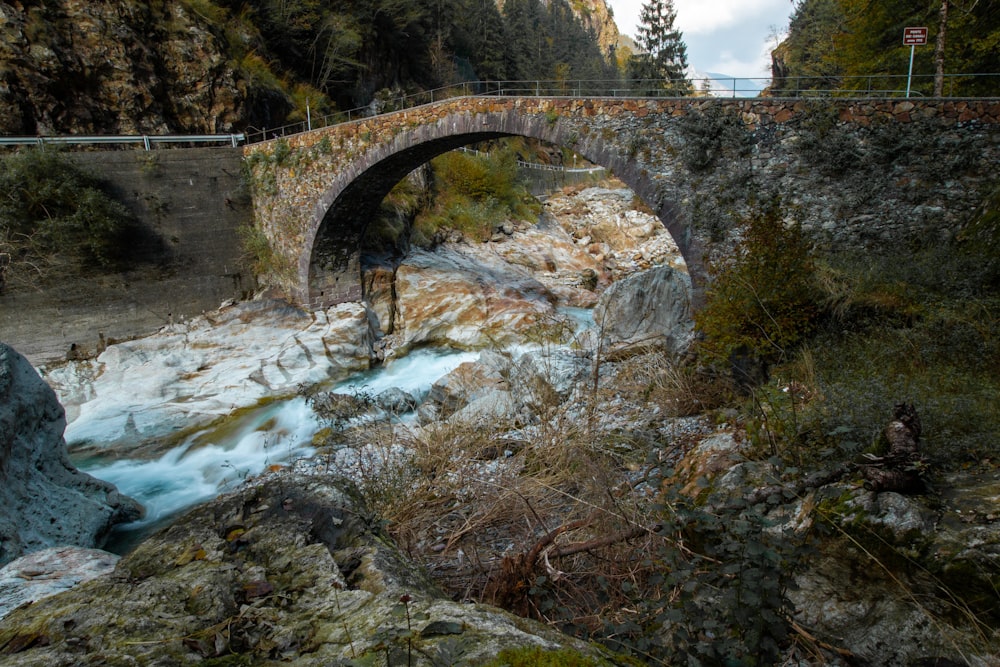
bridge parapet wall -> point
(856, 173)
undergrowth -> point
(578, 516)
(925, 331)
(473, 193)
(54, 217)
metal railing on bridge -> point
(872, 86)
(539, 166)
(879, 86)
(148, 141)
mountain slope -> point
(216, 66)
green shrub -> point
(763, 300)
(53, 214)
(263, 259)
(258, 73)
(472, 194)
(214, 15)
(925, 331)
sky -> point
(731, 37)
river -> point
(219, 457)
(168, 475)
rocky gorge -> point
(293, 564)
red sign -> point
(914, 36)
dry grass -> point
(678, 389)
(549, 521)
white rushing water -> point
(414, 373)
(217, 458)
(212, 460)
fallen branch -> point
(623, 536)
(809, 637)
(784, 491)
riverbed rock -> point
(466, 384)
(891, 579)
(649, 310)
(46, 501)
(547, 377)
(289, 570)
(195, 372)
(453, 298)
(50, 571)
(506, 388)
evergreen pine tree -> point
(660, 67)
(481, 38)
(521, 27)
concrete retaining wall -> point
(190, 203)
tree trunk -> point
(900, 469)
(939, 49)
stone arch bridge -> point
(856, 173)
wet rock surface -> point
(196, 371)
(289, 570)
(46, 501)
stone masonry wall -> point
(856, 173)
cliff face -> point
(597, 17)
(114, 67)
(195, 66)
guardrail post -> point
(145, 141)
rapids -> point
(218, 457)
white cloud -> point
(626, 14)
(697, 17)
(727, 36)
(746, 64)
(738, 67)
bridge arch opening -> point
(330, 271)
(334, 271)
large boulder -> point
(455, 298)
(47, 502)
(651, 309)
(288, 570)
(498, 388)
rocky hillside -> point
(594, 486)
(80, 67)
(217, 66)
(597, 16)
(596, 483)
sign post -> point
(913, 37)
